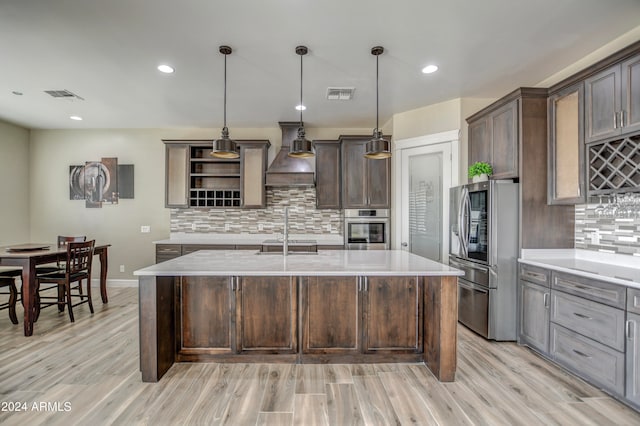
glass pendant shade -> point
(225, 147)
(378, 148)
(301, 147)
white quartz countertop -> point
(614, 268)
(240, 239)
(325, 263)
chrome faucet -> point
(285, 236)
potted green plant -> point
(480, 171)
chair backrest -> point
(63, 240)
(79, 257)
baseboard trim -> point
(95, 282)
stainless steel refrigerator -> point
(484, 244)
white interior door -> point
(426, 173)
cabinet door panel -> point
(392, 314)
(479, 142)
(253, 169)
(206, 312)
(332, 315)
(534, 316)
(602, 102)
(267, 314)
(631, 94)
(633, 359)
(379, 177)
(328, 194)
(354, 169)
(176, 180)
(504, 131)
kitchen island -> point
(333, 306)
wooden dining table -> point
(29, 255)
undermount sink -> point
(291, 253)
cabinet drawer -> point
(598, 291)
(595, 362)
(168, 249)
(599, 322)
(535, 275)
(633, 300)
(190, 248)
(249, 247)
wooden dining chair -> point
(59, 266)
(8, 279)
(77, 269)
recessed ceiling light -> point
(300, 107)
(76, 117)
(429, 69)
(165, 69)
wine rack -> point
(213, 182)
(614, 166)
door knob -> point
(404, 244)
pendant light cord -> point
(301, 106)
(225, 90)
(377, 101)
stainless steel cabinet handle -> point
(582, 354)
(615, 120)
(622, 118)
(545, 300)
(627, 330)
(579, 315)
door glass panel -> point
(478, 228)
(425, 205)
(567, 167)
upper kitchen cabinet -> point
(253, 165)
(328, 193)
(196, 179)
(493, 140)
(366, 183)
(176, 175)
(495, 131)
(566, 146)
(612, 101)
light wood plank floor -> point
(88, 374)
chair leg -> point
(13, 297)
(36, 302)
(61, 300)
(88, 294)
(68, 290)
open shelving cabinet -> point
(213, 182)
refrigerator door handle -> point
(466, 221)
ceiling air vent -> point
(65, 94)
(340, 93)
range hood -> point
(290, 171)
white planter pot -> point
(481, 178)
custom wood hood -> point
(290, 171)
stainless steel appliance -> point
(484, 244)
(366, 229)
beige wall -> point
(427, 120)
(14, 184)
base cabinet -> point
(632, 391)
(534, 316)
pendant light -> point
(301, 146)
(225, 147)
(377, 148)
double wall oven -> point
(366, 229)
(484, 244)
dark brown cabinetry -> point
(612, 101)
(196, 179)
(328, 178)
(566, 152)
(362, 315)
(366, 183)
(493, 138)
(232, 315)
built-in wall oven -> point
(366, 229)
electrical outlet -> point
(145, 229)
(227, 227)
(193, 226)
(328, 227)
(595, 237)
(121, 268)
(260, 227)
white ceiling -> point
(107, 53)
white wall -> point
(14, 184)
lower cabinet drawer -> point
(597, 363)
(599, 322)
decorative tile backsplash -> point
(304, 218)
(602, 232)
